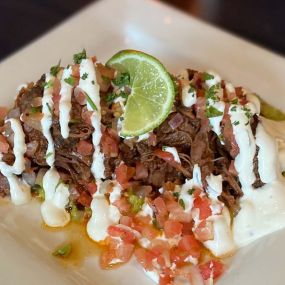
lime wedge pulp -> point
(152, 91)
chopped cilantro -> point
(191, 191)
(38, 191)
(70, 80)
(90, 102)
(212, 112)
(235, 101)
(75, 214)
(110, 98)
(63, 251)
(84, 76)
(35, 110)
(48, 84)
(164, 148)
(181, 203)
(49, 108)
(55, 69)
(77, 58)
(207, 76)
(176, 194)
(234, 108)
(236, 123)
(93, 82)
(123, 95)
(247, 112)
(48, 155)
(211, 93)
(191, 89)
(122, 79)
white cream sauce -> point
(189, 96)
(19, 190)
(46, 121)
(103, 216)
(65, 102)
(91, 88)
(173, 151)
(56, 198)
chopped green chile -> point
(63, 251)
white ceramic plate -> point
(178, 41)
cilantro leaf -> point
(110, 98)
(207, 76)
(49, 108)
(38, 191)
(90, 102)
(122, 79)
(77, 58)
(212, 112)
(176, 194)
(69, 80)
(63, 251)
(35, 110)
(48, 84)
(181, 203)
(54, 70)
(236, 123)
(191, 191)
(84, 76)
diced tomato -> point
(177, 213)
(178, 256)
(149, 232)
(190, 245)
(212, 268)
(165, 280)
(172, 229)
(4, 145)
(84, 199)
(86, 116)
(92, 187)
(124, 173)
(161, 209)
(123, 205)
(110, 144)
(204, 231)
(76, 70)
(166, 156)
(126, 220)
(116, 250)
(145, 258)
(127, 236)
(203, 204)
(84, 148)
(141, 171)
(3, 113)
(79, 96)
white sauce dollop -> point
(103, 216)
(189, 96)
(173, 151)
(46, 121)
(19, 190)
(65, 102)
(91, 88)
(56, 198)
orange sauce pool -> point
(81, 245)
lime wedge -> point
(152, 91)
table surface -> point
(259, 21)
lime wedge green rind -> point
(152, 93)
